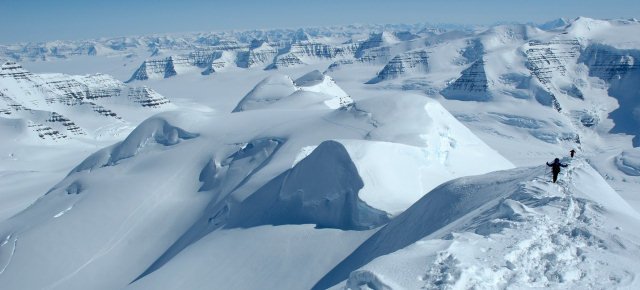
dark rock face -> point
(548, 59)
(472, 85)
(545, 59)
(410, 62)
(297, 50)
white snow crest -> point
(528, 233)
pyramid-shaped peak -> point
(472, 85)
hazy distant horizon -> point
(41, 20)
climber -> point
(573, 152)
(555, 168)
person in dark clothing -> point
(573, 152)
(555, 168)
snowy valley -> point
(354, 157)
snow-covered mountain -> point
(49, 122)
(356, 157)
(269, 171)
(58, 106)
(308, 91)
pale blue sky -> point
(39, 20)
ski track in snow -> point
(132, 220)
(13, 251)
(63, 212)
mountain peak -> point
(553, 24)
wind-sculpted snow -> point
(321, 189)
(152, 131)
(280, 91)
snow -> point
(514, 229)
(229, 175)
(266, 92)
(629, 162)
(322, 189)
(280, 91)
(288, 257)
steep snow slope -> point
(504, 229)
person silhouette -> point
(555, 168)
